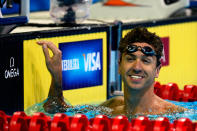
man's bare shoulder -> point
(172, 108)
(165, 107)
(114, 102)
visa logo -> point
(92, 61)
(70, 64)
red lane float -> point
(4, 125)
(79, 122)
(141, 123)
(60, 122)
(19, 122)
(171, 91)
(190, 93)
(121, 123)
(183, 124)
(101, 123)
(162, 124)
(157, 89)
(39, 122)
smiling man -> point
(139, 65)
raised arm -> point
(55, 102)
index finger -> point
(50, 45)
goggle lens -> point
(145, 50)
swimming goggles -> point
(145, 50)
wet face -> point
(138, 70)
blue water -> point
(191, 113)
(92, 110)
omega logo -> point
(13, 71)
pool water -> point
(89, 110)
(191, 113)
(92, 110)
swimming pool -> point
(92, 110)
(170, 92)
(91, 120)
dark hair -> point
(142, 35)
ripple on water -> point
(93, 110)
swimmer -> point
(139, 65)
